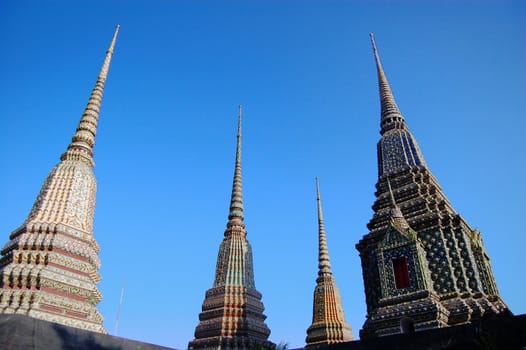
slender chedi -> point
(328, 320)
(232, 313)
(423, 265)
(48, 269)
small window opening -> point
(401, 273)
(407, 325)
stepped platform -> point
(19, 332)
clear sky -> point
(305, 73)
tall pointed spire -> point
(232, 312)
(324, 263)
(397, 217)
(391, 195)
(391, 116)
(397, 148)
(395, 210)
(328, 319)
(81, 146)
(236, 215)
(49, 268)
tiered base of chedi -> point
(232, 318)
(456, 284)
(423, 265)
(48, 268)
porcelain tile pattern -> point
(423, 265)
(232, 312)
(48, 268)
(328, 320)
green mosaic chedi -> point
(423, 265)
(232, 313)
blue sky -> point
(304, 71)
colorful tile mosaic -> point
(232, 313)
(423, 265)
(48, 269)
(328, 320)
